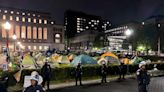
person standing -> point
(34, 87)
(104, 73)
(143, 78)
(78, 74)
(123, 70)
(46, 74)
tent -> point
(63, 60)
(71, 57)
(109, 54)
(55, 57)
(136, 60)
(126, 61)
(101, 61)
(28, 62)
(83, 59)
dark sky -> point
(118, 11)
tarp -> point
(83, 59)
(109, 54)
(28, 62)
(137, 60)
(63, 60)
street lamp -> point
(7, 27)
(128, 32)
(14, 38)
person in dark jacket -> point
(46, 74)
(34, 87)
(143, 78)
(123, 70)
(104, 73)
(78, 74)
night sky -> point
(117, 11)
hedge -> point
(67, 73)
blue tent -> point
(83, 59)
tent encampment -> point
(83, 59)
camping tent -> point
(55, 57)
(136, 60)
(101, 61)
(111, 58)
(28, 62)
(83, 59)
(63, 60)
(71, 56)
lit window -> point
(39, 33)
(97, 21)
(0, 10)
(4, 17)
(40, 21)
(12, 12)
(29, 47)
(29, 19)
(78, 18)
(57, 35)
(45, 47)
(78, 31)
(17, 12)
(34, 20)
(11, 17)
(17, 31)
(107, 22)
(17, 18)
(45, 33)
(57, 40)
(34, 15)
(29, 31)
(40, 47)
(11, 32)
(23, 32)
(89, 22)
(5, 11)
(45, 21)
(34, 33)
(38, 15)
(28, 14)
(92, 25)
(87, 27)
(53, 23)
(3, 33)
(34, 47)
(23, 13)
(23, 19)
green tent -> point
(28, 62)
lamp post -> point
(14, 38)
(7, 27)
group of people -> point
(143, 77)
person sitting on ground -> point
(34, 87)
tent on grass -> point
(29, 62)
(102, 61)
(83, 59)
(111, 58)
(63, 60)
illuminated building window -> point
(45, 47)
(4, 17)
(34, 33)
(40, 47)
(29, 47)
(23, 19)
(39, 33)
(18, 13)
(28, 14)
(12, 12)
(5, 11)
(11, 17)
(29, 31)
(11, 32)
(89, 22)
(17, 18)
(4, 33)
(23, 13)
(57, 40)
(34, 21)
(34, 15)
(45, 21)
(17, 31)
(38, 15)
(45, 33)
(52, 22)
(40, 21)
(29, 19)
(57, 35)
(35, 48)
(23, 32)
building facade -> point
(78, 23)
(34, 30)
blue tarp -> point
(83, 59)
